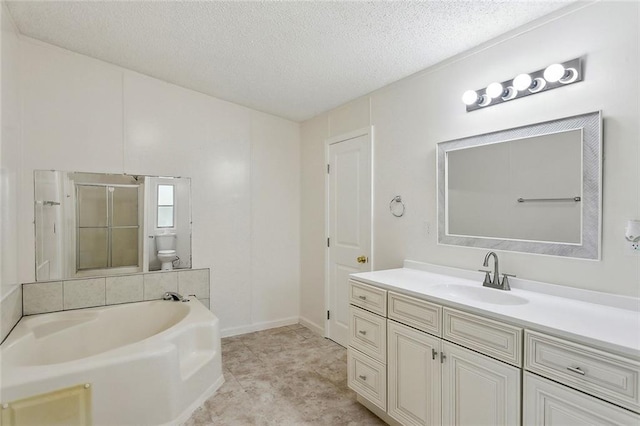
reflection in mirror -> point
(91, 224)
(533, 189)
(169, 223)
(165, 206)
(107, 227)
(485, 183)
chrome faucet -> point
(495, 282)
(173, 296)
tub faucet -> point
(495, 282)
(173, 296)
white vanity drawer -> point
(492, 338)
(607, 376)
(368, 333)
(367, 377)
(415, 313)
(547, 403)
(368, 297)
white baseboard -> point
(319, 330)
(234, 331)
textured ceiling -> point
(292, 59)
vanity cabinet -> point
(605, 381)
(430, 358)
(432, 381)
(367, 351)
(429, 380)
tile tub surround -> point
(155, 285)
(10, 311)
(125, 289)
(40, 298)
(43, 297)
(283, 376)
(85, 293)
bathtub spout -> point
(173, 296)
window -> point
(166, 206)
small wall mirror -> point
(534, 189)
(95, 224)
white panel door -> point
(547, 403)
(348, 223)
(478, 390)
(414, 376)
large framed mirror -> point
(533, 189)
(97, 224)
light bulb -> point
(469, 97)
(494, 90)
(522, 82)
(537, 85)
(570, 75)
(484, 100)
(509, 93)
(553, 73)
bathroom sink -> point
(481, 294)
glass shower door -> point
(108, 227)
(124, 226)
(93, 227)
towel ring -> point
(397, 199)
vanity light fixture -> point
(551, 77)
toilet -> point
(166, 246)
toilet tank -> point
(166, 242)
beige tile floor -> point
(283, 376)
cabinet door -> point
(414, 376)
(547, 403)
(478, 390)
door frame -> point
(364, 131)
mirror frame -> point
(591, 229)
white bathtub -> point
(148, 363)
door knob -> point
(362, 259)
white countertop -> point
(608, 322)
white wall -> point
(411, 116)
(275, 217)
(81, 114)
(313, 237)
(10, 153)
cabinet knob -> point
(442, 357)
(363, 332)
(434, 354)
(362, 259)
(363, 377)
(362, 297)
